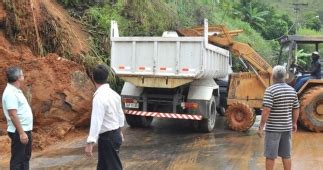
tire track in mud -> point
(188, 155)
(155, 149)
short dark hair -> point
(100, 74)
(13, 73)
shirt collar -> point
(12, 87)
(103, 87)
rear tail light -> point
(129, 100)
(185, 69)
(189, 105)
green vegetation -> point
(312, 22)
(151, 18)
(310, 16)
(286, 7)
(193, 13)
(303, 59)
(263, 18)
(70, 2)
(262, 23)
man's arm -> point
(121, 120)
(11, 102)
(264, 117)
(295, 115)
(15, 120)
(295, 118)
(96, 120)
(96, 124)
(121, 116)
(267, 105)
(295, 112)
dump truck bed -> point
(175, 57)
(166, 62)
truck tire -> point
(207, 125)
(311, 110)
(138, 121)
(240, 117)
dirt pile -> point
(45, 27)
(58, 89)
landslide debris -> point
(40, 37)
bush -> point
(70, 2)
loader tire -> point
(240, 117)
(138, 121)
(311, 109)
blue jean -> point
(300, 81)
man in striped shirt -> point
(280, 113)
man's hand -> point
(260, 132)
(23, 138)
(295, 127)
(89, 149)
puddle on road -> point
(173, 145)
(52, 162)
(70, 156)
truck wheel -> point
(138, 121)
(207, 125)
(311, 110)
(240, 117)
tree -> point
(312, 21)
(275, 28)
(251, 14)
(264, 19)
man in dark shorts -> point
(280, 113)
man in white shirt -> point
(19, 118)
(107, 119)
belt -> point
(27, 132)
(108, 132)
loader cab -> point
(294, 51)
(295, 54)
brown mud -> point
(173, 145)
(35, 34)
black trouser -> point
(20, 153)
(108, 149)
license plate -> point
(132, 105)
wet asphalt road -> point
(173, 144)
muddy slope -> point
(35, 34)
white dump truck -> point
(170, 77)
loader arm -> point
(219, 35)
